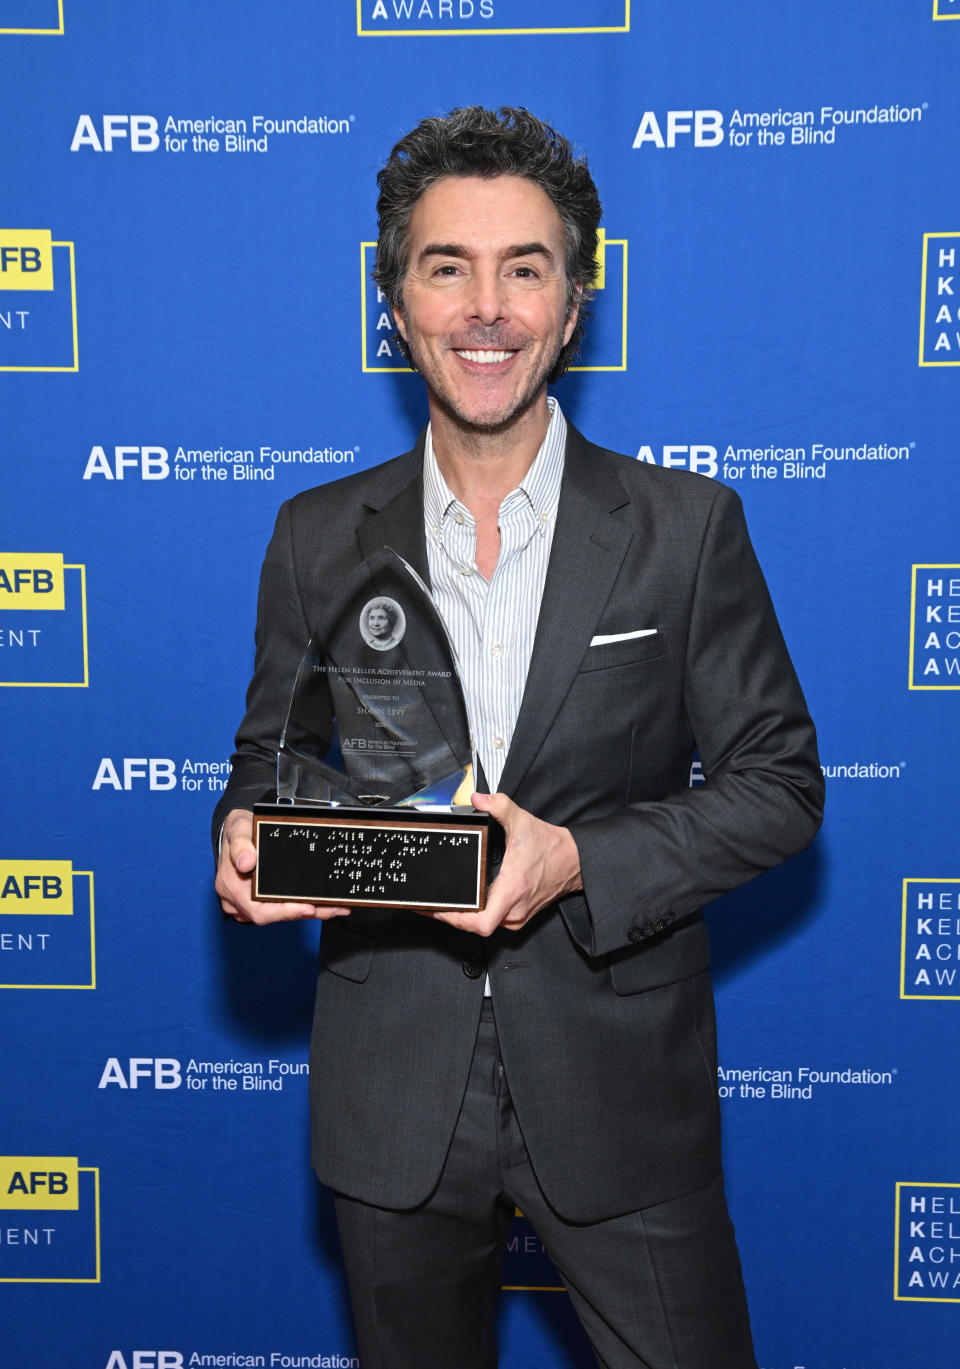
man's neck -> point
(481, 467)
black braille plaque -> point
(357, 857)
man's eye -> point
(447, 270)
(525, 272)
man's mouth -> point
(485, 358)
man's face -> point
(378, 621)
(484, 310)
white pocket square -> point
(606, 638)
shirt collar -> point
(541, 484)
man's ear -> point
(400, 324)
(573, 313)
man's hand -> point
(540, 863)
(238, 857)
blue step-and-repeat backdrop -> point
(188, 335)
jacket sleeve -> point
(282, 634)
(762, 801)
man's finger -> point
(479, 923)
(244, 857)
(497, 805)
(262, 912)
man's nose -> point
(487, 301)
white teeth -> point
(485, 358)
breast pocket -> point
(630, 651)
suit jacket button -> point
(661, 924)
(472, 969)
(635, 934)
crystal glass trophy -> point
(374, 772)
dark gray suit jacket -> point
(603, 1001)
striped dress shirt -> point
(493, 623)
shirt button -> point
(466, 570)
(435, 529)
(498, 743)
(496, 649)
(545, 518)
(458, 518)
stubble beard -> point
(441, 392)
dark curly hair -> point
(484, 142)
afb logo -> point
(604, 346)
(157, 773)
(43, 620)
(31, 16)
(159, 1072)
(702, 127)
(50, 1210)
(940, 298)
(926, 1257)
(38, 302)
(150, 463)
(145, 1359)
(136, 131)
(935, 626)
(46, 925)
(700, 457)
(479, 18)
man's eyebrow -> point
(441, 249)
(529, 249)
(452, 249)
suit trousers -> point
(656, 1289)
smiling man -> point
(556, 1051)
(484, 308)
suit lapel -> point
(396, 517)
(589, 544)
